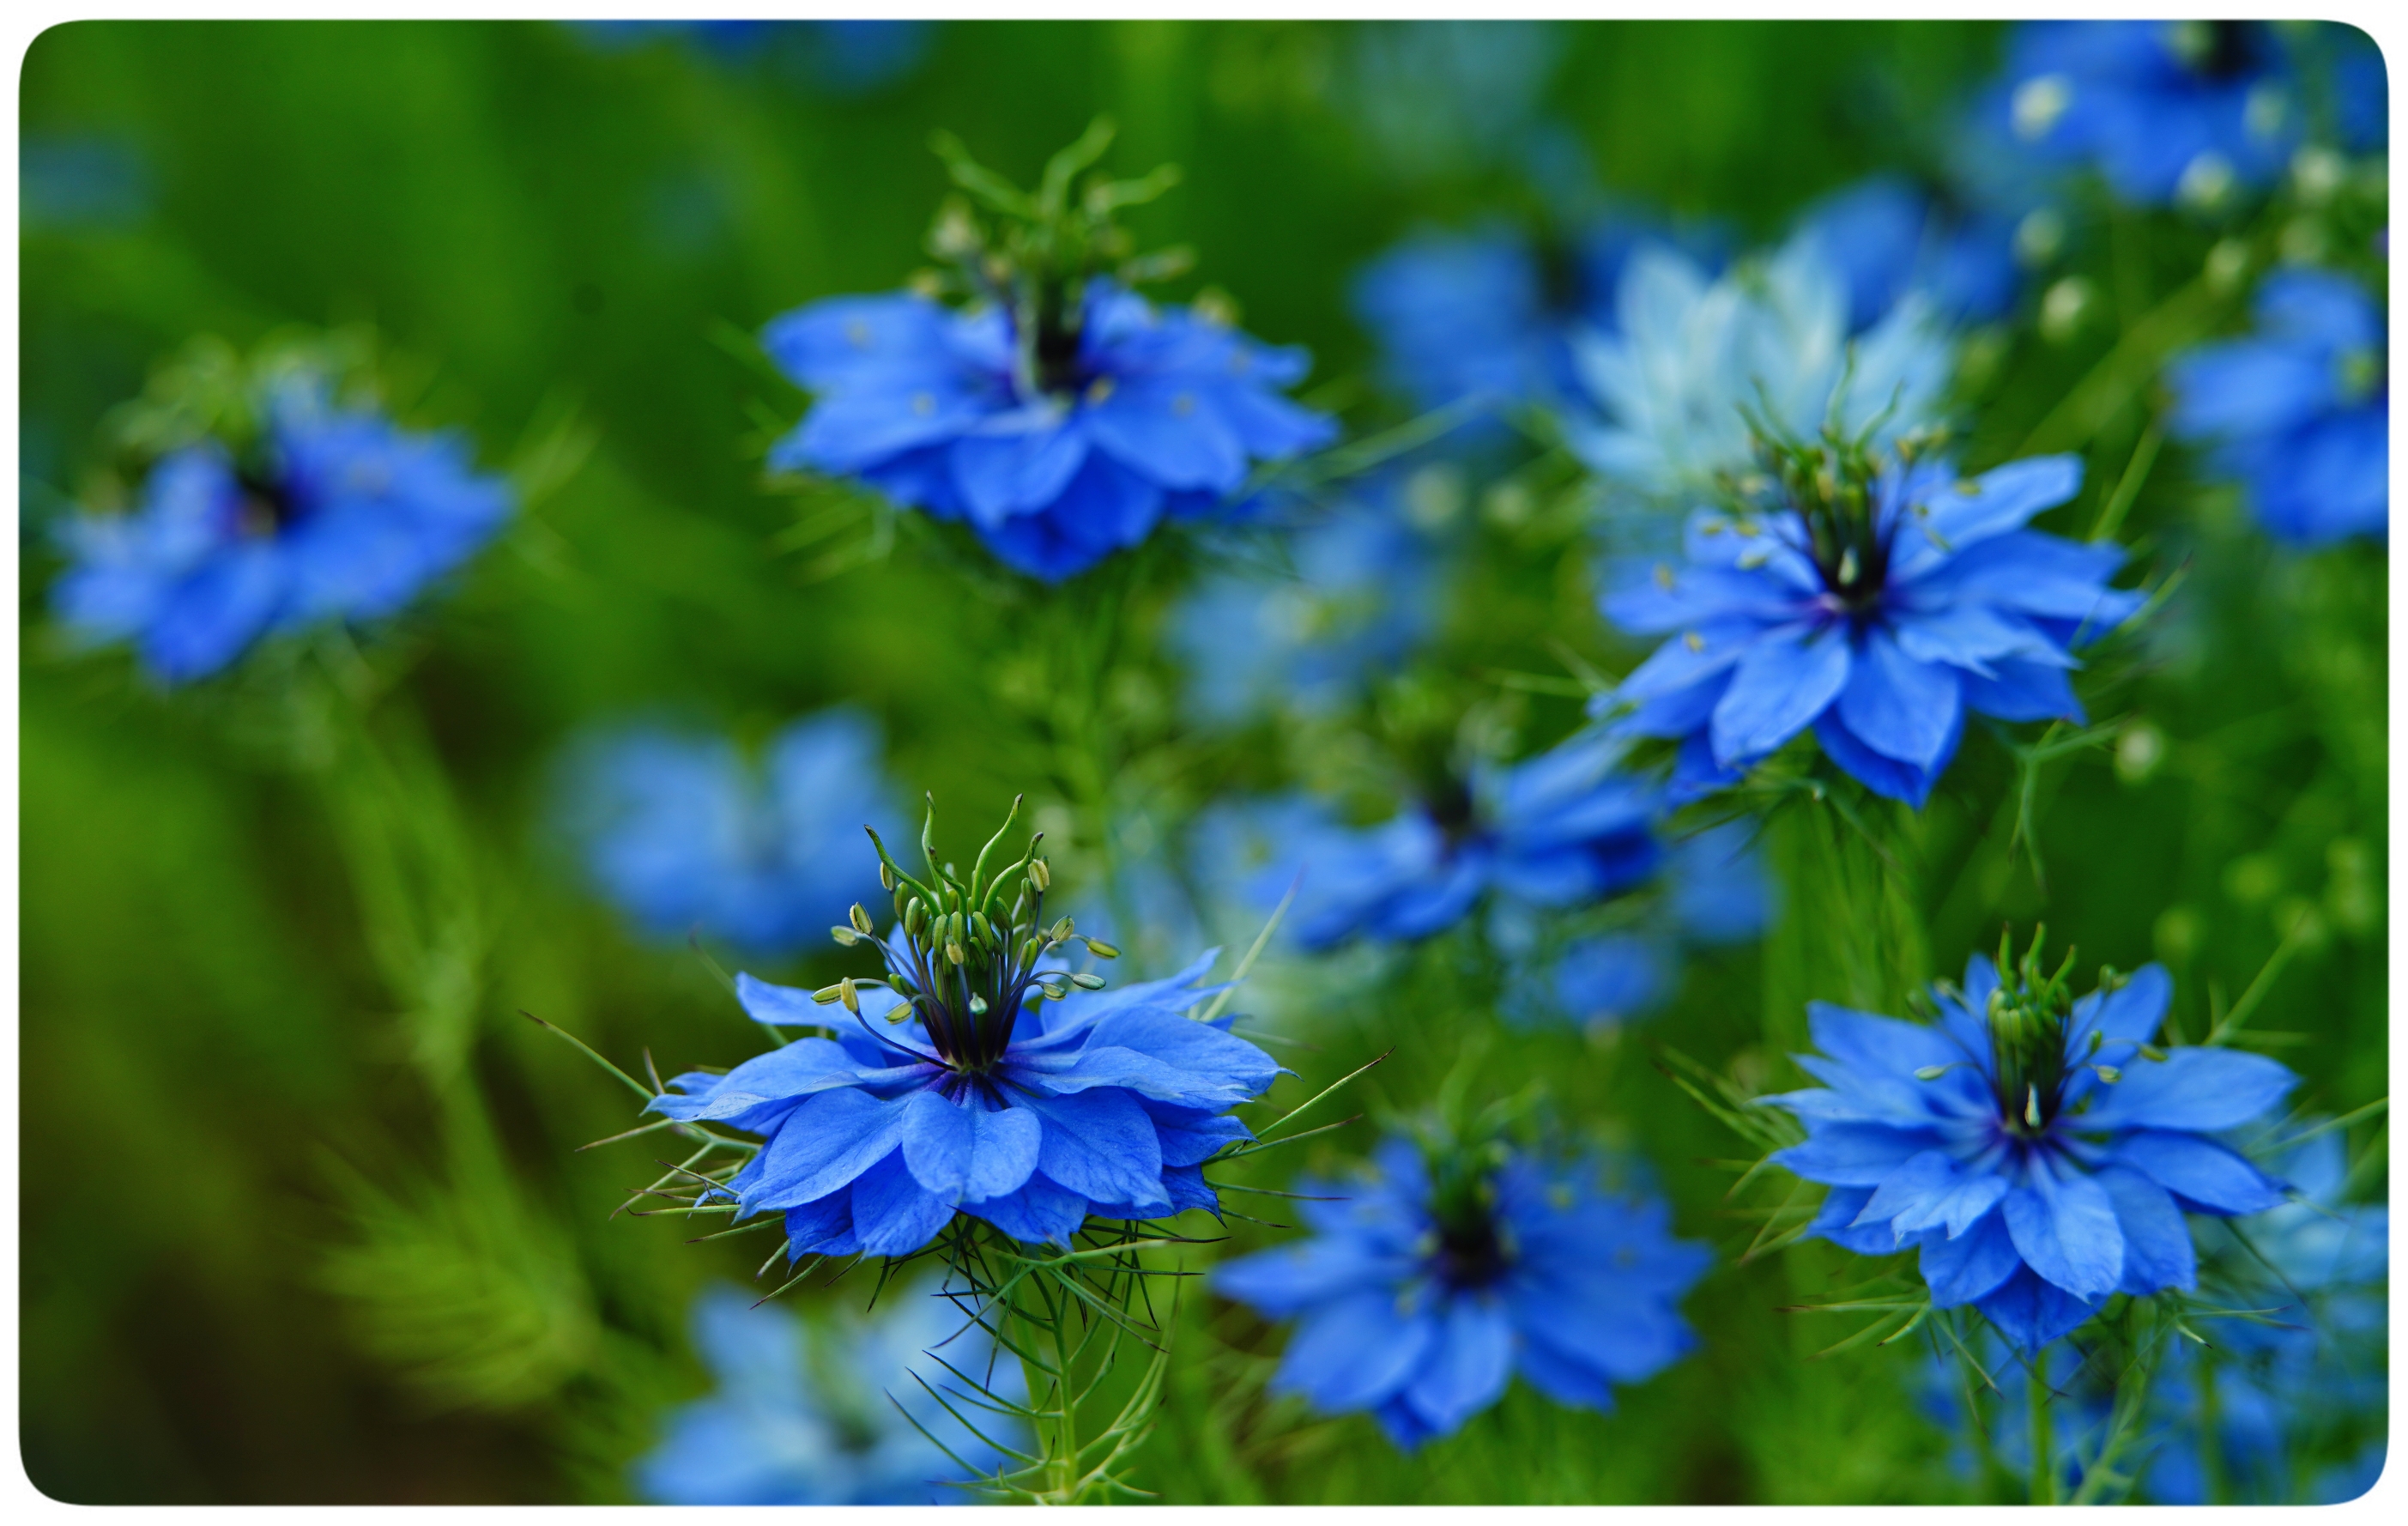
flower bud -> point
(1102, 951)
(1038, 875)
(861, 920)
(827, 995)
(850, 997)
(1088, 983)
(845, 937)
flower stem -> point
(2044, 1462)
(1849, 929)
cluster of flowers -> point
(1772, 430)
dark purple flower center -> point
(265, 506)
(2220, 50)
(1470, 1253)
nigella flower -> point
(2299, 411)
(807, 1411)
(1131, 415)
(1875, 604)
(1695, 357)
(1712, 892)
(973, 1079)
(333, 514)
(2165, 110)
(683, 834)
(1555, 830)
(1888, 237)
(1426, 1288)
(2037, 1152)
(2309, 1372)
(1489, 313)
(1359, 592)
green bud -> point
(983, 929)
(1088, 983)
(850, 997)
(915, 918)
(902, 1014)
(861, 920)
(2031, 1106)
(978, 1005)
(845, 937)
(828, 995)
(885, 874)
(2108, 1073)
(953, 952)
(1038, 875)
(1061, 933)
(1930, 1072)
(1102, 951)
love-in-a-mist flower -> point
(1874, 600)
(2299, 411)
(683, 834)
(1487, 313)
(1426, 1288)
(1671, 395)
(1358, 589)
(1555, 830)
(320, 513)
(2193, 112)
(1888, 237)
(2037, 1152)
(1057, 412)
(976, 1076)
(830, 1410)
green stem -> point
(1849, 929)
(2211, 1450)
(1065, 1460)
(2043, 1461)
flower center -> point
(266, 507)
(1470, 1249)
(2213, 49)
(1830, 485)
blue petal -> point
(2032, 1312)
(2193, 1088)
(2158, 1251)
(1040, 1212)
(893, 1214)
(2199, 1171)
(1867, 1042)
(1976, 1263)
(2015, 690)
(937, 1145)
(1855, 1154)
(1836, 1223)
(1876, 771)
(825, 1143)
(1280, 1282)
(1916, 1196)
(1626, 1339)
(2002, 500)
(2065, 1229)
(1782, 684)
(1468, 1366)
(1002, 471)
(1004, 1146)
(1169, 431)
(1899, 707)
(1354, 1351)
(1100, 1144)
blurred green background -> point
(259, 1219)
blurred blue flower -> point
(1879, 625)
(1434, 98)
(1419, 1299)
(2027, 1145)
(1714, 891)
(1888, 237)
(2299, 412)
(337, 516)
(1361, 593)
(681, 834)
(2309, 1369)
(806, 1414)
(1105, 1103)
(845, 57)
(1462, 315)
(1056, 452)
(1558, 829)
(1694, 355)
(78, 181)
(2164, 110)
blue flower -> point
(977, 1077)
(1887, 239)
(339, 516)
(806, 1414)
(1464, 315)
(1557, 830)
(1878, 616)
(2162, 109)
(1360, 595)
(1418, 1300)
(1057, 448)
(681, 833)
(1713, 891)
(1693, 356)
(2028, 1146)
(2309, 1371)
(2299, 412)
